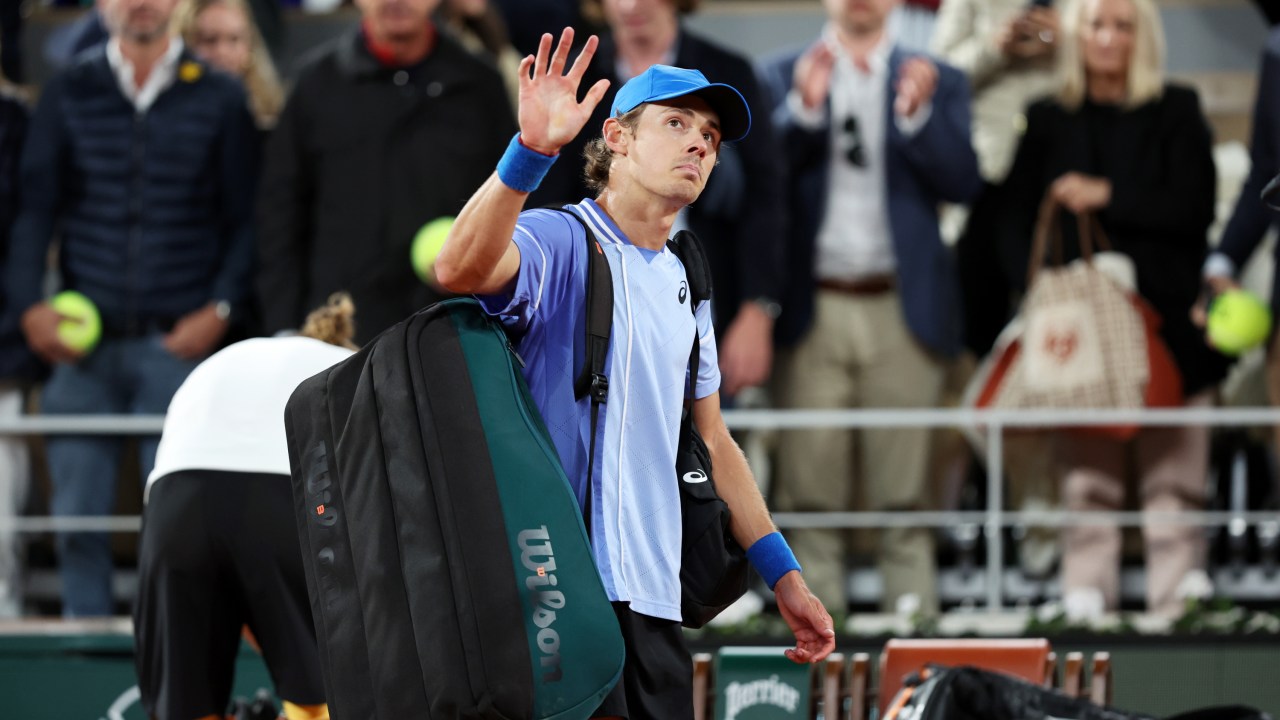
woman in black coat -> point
(1119, 142)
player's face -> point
(674, 147)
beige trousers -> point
(1171, 464)
(858, 354)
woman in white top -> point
(219, 547)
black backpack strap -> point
(697, 271)
(591, 378)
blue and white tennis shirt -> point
(635, 502)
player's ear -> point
(616, 136)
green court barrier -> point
(760, 683)
(87, 677)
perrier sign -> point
(760, 683)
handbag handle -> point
(1049, 230)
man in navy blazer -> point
(875, 139)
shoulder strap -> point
(697, 270)
(591, 378)
(688, 248)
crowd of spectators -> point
(171, 175)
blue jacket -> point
(936, 164)
(153, 211)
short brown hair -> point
(600, 158)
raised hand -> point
(550, 114)
(812, 78)
(917, 80)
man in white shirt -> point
(875, 139)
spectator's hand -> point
(550, 114)
(1031, 35)
(746, 354)
(196, 334)
(40, 326)
(917, 81)
(812, 76)
(1214, 285)
(1081, 193)
(811, 623)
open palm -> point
(550, 114)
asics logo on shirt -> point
(684, 291)
(695, 477)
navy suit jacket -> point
(1251, 218)
(936, 164)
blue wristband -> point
(772, 558)
(522, 168)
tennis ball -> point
(426, 246)
(1237, 322)
(81, 327)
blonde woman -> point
(1119, 141)
(219, 548)
(222, 33)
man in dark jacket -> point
(141, 160)
(739, 217)
(389, 127)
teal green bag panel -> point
(575, 642)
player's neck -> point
(645, 223)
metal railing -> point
(990, 425)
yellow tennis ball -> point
(81, 327)
(426, 246)
(1237, 321)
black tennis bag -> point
(968, 693)
(446, 558)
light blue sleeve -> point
(708, 355)
(546, 240)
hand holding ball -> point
(426, 247)
(81, 326)
(1237, 321)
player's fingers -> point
(544, 55)
(583, 61)
(525, 66)
(561, 55)
(594, 95)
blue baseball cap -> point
(663, 82)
